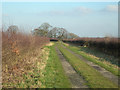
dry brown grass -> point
(20, 53)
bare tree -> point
(45, 26)
(12, 29)
(42, 30)
(57, 32)
(53, 33)
(72, 36)
(62, 33)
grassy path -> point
(104, 72)
(105, 65)
(54, 75)
(93, 77)
(76, 80)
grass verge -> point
(104, 64)
(29, 74)
(54, 75)
(93, 77)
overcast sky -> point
(93, 19)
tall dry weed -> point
(17, 49)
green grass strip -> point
(54, 75)
(94, 60)
(93, 77)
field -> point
(56, 45)
(34, 62)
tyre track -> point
(103, 71)
(77, 81)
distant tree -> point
(45, 26)
(12, 29)
(53, 32)
(72, 36)
(57, 32)
(62, 33)
(42, 30)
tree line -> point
(46, 30)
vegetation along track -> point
(93, 77)
(104, 72)
(109, 66)
(76, 80)
(53, 74)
